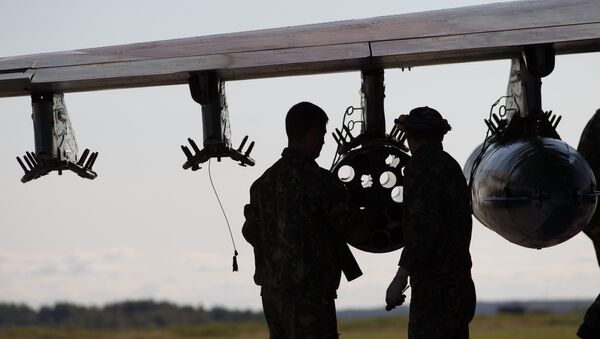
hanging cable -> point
(235, 252)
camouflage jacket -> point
(437, 213)
(589, 148)
(591, 322)
(592, 316)
(294, 221)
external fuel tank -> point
(535, 192)
(527, 184)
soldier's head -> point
(305, 125)
(422, 125)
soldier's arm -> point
(344, 216)
(341, 212)
(424, 201)
(592, 230)
(250, 229)
(591, 322)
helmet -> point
(423, 119)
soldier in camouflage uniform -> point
(437, 233)
(294, 221)
(589, 147)
(590, 329)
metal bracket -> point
(209, 91)
(525, 83)
(373, 118)
(372, 101)
(524, 96)
(372, 96)
(55, 144)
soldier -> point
(294, 221)
(437, 233)
(589, 147)
(590, 328)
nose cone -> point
(535, 192)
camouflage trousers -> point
(592, 230)
(300, 315)
(590, 329)
(442, 306)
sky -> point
(145, 228)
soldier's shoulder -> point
(268, 176)
(590, 131)
(320, 181)
(450, 161)
(324, 174)
(451, 168)
(428, 163)
(436, 163)
(326, 177)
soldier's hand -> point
(395, 292)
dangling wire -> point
(235, 252)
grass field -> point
(533, 326)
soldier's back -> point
(299, 246)
(445, 188)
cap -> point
(424, 119)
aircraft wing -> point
(484, 32)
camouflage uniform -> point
(590, 329)
(294, 221)
(437, 233)
(589, 147)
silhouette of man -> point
(294, 221)
(589, 148)
(437, 234)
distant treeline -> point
(127, 314)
